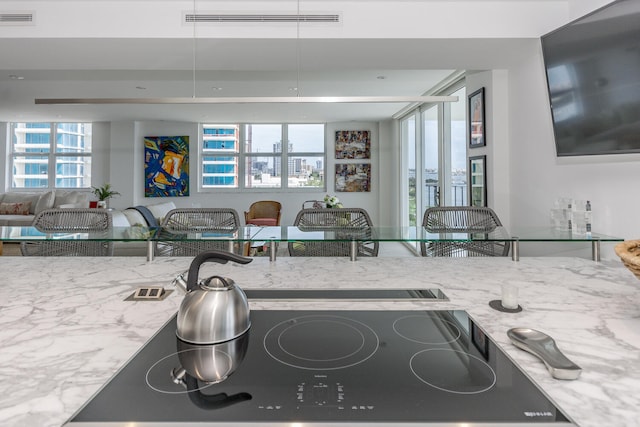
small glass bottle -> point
(588, 218)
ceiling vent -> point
(253, 18)
(16, 18)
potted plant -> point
(103, 194)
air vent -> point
(190, 18)
(16, 18)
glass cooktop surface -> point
(315, 367)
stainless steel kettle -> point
(214, 310)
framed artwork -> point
(352, 177)
(478, 181)
(353, 144)
(166, 166)
(477, 128)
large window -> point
(434, 156)
(254, 156)
(50, 155)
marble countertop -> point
(65, 327)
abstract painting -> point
(352, 177)
(166, 166)
(353, 144)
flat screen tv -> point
(593, 76)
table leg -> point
(595, 250)
(353, 250)
(273, 248)
(515, 250)
(150, 250)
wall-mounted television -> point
(593, 76)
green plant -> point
(105, 192)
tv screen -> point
(593, 76)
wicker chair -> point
(178, 224)
(96, 222)
(353, 223)
(462, 219)
(263, 212)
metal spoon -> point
(543, 346)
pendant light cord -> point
(298, 49)
(193, 48)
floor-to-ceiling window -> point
(434, 157)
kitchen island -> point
(66, 327)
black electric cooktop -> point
(382, 368)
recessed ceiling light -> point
(216, 88)
(14, 77)
(293, 89)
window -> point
(434, 156)
(50, 155)
(220, 156)
(253, 156)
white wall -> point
(578, 8)
(389, 175)
(538, 177)
(4, 152)
(126, 171)
(497, 146)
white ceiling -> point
(94, 68)
(49, 61)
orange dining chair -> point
(263, 212)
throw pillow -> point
(66, 198)
(22, 198)
(20, 208)
(45, 201)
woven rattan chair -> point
(95, 222)
(352, 223)
(184, 231)
(263, 212)
(462, 219)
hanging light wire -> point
(193, 53)
(248, 100)
(298, 49)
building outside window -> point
(50, 155)
(434, 157)
(256, 153)
(220, 156)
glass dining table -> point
(271, 236)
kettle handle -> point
(221, 257)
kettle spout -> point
(180, 283)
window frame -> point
(51, 156)
(416, 141)
(243, 157)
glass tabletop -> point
(294, 233)
(546, 234)
(28, 233)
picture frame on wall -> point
(478, 181)
(353, 177)
(477, 124)
(353, 144)
(166, 166)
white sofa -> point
(131, 217)
(20, 208)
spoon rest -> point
(543, 346)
